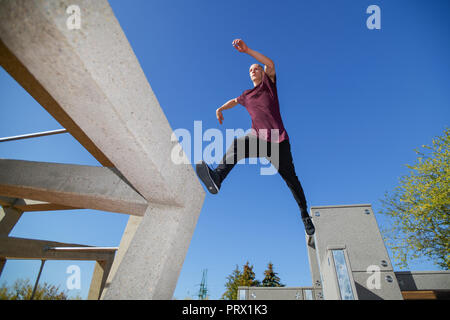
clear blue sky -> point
(355, 102)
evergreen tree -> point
(270, 277)
(232, 285)
(248, 277)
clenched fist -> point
(240, 45)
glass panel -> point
(308, 295)
(345, 286)
(241, 294)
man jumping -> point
(262, 104)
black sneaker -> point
(208, 177)
(309, 226)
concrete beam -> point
(20, 248)
(82, 186)
(28, 205)
(33, 205)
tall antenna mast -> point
(202, 293)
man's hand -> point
(219, 115)
(240, 45)
(228, 105)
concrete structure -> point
(349, 261)
(352, 232)
(91, 82)
(18, 248)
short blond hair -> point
(258, 66)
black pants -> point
(279, 154)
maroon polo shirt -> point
(262, 104)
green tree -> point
(239, 278)
(419, 208)
(22, 290)
(232, 285)
(270, 277)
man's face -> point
(256, 72)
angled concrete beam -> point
(83, 186)
(8, 219)
(94, 78)
(19, 72)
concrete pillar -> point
(127, 237)
(8, 218)
(99, 276)
(153, 260)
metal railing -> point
(33, 135)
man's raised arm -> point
(269, 65)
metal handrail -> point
(33, 135)
(47, 248)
